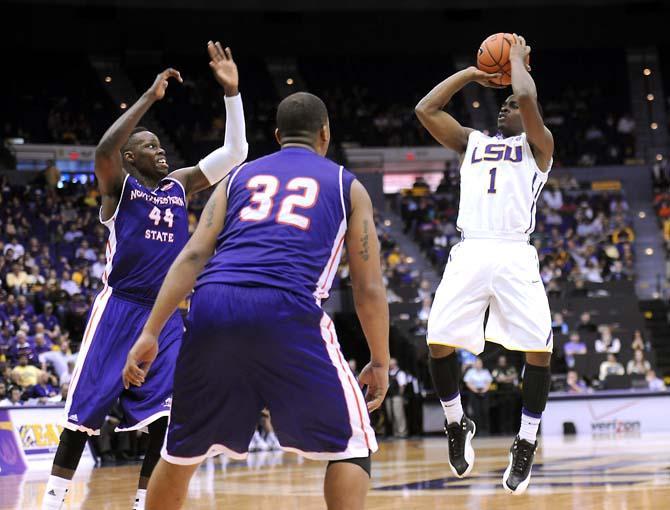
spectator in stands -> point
(15, 248)
(655, 383)
(610, 367)
(98, 268)
(574, 383)
(50, 321)
(3, 389)
(13, 398)
(553, 197)
(607, 343)
(22, 347)
(395, 400)
(17, 280)
(424, 311)
(638, 343)
(558, 325)
(25, 375)
(26, 310)
(69, 285)
(573, 347)
(424, 290)
(61, 397)
(618, 272)
(478, 380)
(506, 378)
(638, 365)
(43, 390)
(585, 324)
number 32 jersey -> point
(148, 230)
(500, 185)
(285, 224)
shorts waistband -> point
(127, 296)
(507, 236)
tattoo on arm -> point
(365, 252)
(210, 213)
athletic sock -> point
(453, 409)
(530, 422)
(140, 498)
(54, 494)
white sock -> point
(140, 498)
(453, 410)
(529, 426)
(54, 494)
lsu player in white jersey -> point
(494, 266)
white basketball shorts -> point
(504, 275)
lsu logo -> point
(38, 436)
(498, 152)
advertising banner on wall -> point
(603, 414)
(38, 430)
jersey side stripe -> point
(532, 208)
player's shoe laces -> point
(517, 474)
(461, 453)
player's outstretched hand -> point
(157, 90)
(520, 51)
(376, 378)
(224, 68)
(484, 79)
(139, 360)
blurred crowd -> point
(581, 235)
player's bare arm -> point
(108, 160)
(369, 293)
(234, 151)
(525, 92)
(178, 283)
(430, 110)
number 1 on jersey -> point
(492, 186)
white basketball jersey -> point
(500, 185)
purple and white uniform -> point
(146, 233)
(256, 335)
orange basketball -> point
(493, 57)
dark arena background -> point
(602, 70)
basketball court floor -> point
(609, 473)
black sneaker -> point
(461, 453)
(517, 474)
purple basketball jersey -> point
(146, 233)
(285, 224)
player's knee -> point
(70, 448)
(365, 463)
(440, 351)
(540, 359)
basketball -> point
(493, 57)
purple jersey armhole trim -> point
(118, 206)
(230, 182)
(183, 190)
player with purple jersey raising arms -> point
(144, 208)
(262, 259)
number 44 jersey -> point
(146, 233)
(500, 185)
(285, 224)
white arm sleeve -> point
(216, 165)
